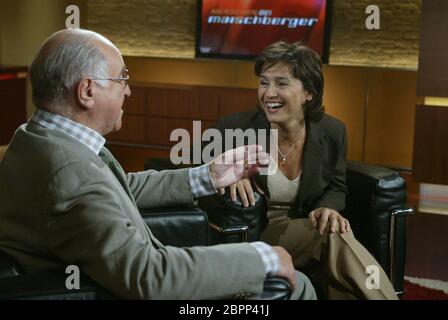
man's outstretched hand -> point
(236, 164)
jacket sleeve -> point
(333, 196)
(85, 225)
(152, 189)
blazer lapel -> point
(312, 163)
(261, 122)
(116, 169)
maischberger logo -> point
(263, 18)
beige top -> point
(283, 192)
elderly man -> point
(66, 200)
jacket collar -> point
(312, 159)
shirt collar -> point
(92, 139)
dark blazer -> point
(324, 160)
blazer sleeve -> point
(84, 224)
(153, 189)
(334, 195)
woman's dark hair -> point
(305, 65)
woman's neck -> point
(288, 132)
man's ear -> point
(85, 91)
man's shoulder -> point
(46, 149)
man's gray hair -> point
(61, 63)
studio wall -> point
(377, 104)
(166, 28)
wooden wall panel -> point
(133, 158)
(344, 98)
(208, 104)
(383, 135)
(390, 117)
(433, 63)
(136, 103)
(12, 107)
(234, 100)
(186, 103)
(430, 161)
(133, 130)
(159, 129)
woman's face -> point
(281, 95)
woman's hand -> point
(245, 190)
(321, 217)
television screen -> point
(242, 28)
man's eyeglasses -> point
(123, 79)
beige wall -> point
(156, 28)
(25, 24)
(377, 105)
(229, 73)
(394, 45)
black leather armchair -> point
(375, 207)
(181, 227)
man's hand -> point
(286, 267)
(236, 164)
(320, 217)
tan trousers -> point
(336, 263)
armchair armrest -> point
(376, 209)
(178, 226)
(274, 288)
(231, 221)
(50, 285)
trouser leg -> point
(337, 263)
(350, 268)
(304, 289)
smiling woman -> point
(306, 189)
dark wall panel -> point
(432, 79)
(430, 161)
